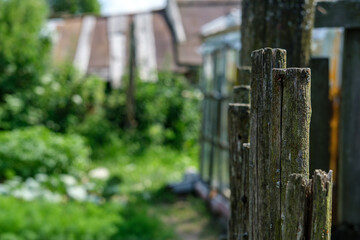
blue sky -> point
(114, 7)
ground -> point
(190, 219)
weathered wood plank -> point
(241, 94)
(244, 75)
(262, 215)
(245, 223)
(275, 149)
(238, 132)
(349, 164)
(338, 14)
(321, 115)
(295, 207)
(295, 123)
(283, 24)
(320, 226)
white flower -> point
(68, 180)
(100, 173)
(77, 99)
(77, 192)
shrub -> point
(75, 7)
(140, 224)
(96, 129)
(21, 220)
(62, 98)
(38, 220)
(166, 111)
(26, 152)
(66, 98)
(24, 49)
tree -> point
(74, 6)
(24, 48)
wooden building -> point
(166, 39)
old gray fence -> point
(272, 196)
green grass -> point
(147, 170)
(141, 216)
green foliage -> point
(65, 98)
(166, 112)
(140, 224)
(75, 6)
(150, 169)
(62, 99)
(26, 152)
(36, 220)
(96, 129)
(23, 46)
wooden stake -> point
(238, 117)
(321, 205)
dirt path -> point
(190, 219)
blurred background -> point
(113, 118)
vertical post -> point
(295, 207)
(238, 132)
(244, 75)
(130, 97)
(241, 94)
(320, 119)
(349, 164)
(321, 205)
(295, 124)
(283, 24)
(238, 118)
(264, 210)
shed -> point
(166, 39)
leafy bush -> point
(62, 99)
(140, 224)
(26, 152)
(24, 49)
(37, 220)
(96, 129)
(65, 97)
(166, 111)
(75, 7)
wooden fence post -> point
(238, 117)
(238, 132)
(321, 116)
(295, 123)
(241, 94)
(264, 210)
(272, 196)
(321, 205)
(297, 191)
(349, 164)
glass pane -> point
(208, 73)
(216, 178)
(220, 70)
(225, 170)
(231, 70)
(224, 121)
(206, 160)
(214, 119)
